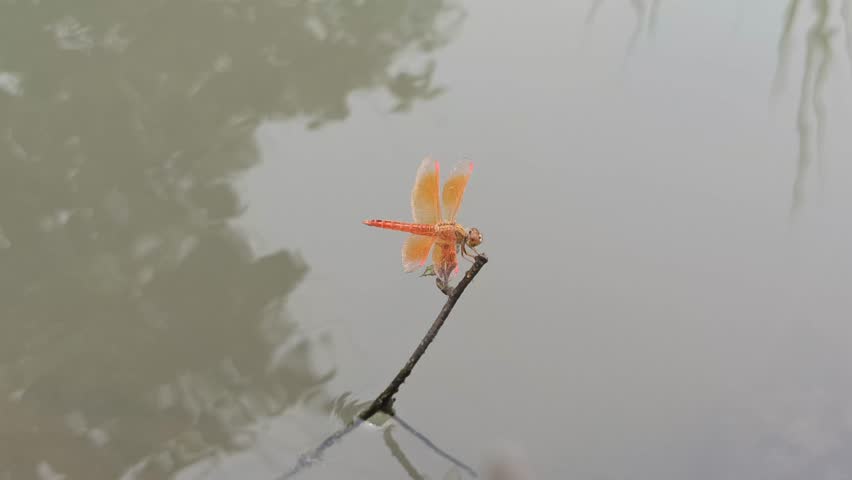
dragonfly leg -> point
(444, 287)
(464, 253)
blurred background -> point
(186, 289)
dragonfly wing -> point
(454, 189)
(445, 261)
(415, 251)
(425, 206)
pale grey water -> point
(187, 290)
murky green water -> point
(186, 290)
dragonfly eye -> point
(474, 238)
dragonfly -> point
(435, 229)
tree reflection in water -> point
(647, 16)
(137, 322)
(796, 426)
(827, 32)
(825, 26)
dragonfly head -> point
(474, 238)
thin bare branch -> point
(384, 402)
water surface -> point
(662, 187)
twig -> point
(384, 402)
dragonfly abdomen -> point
(415, 228)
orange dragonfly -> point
(430, 227)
